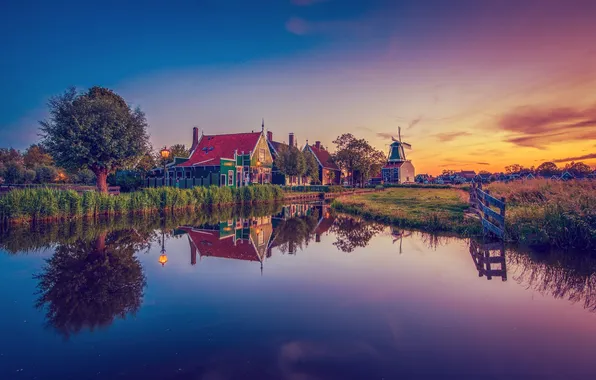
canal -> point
(287, 292)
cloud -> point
(578, 158)
(414, 122)
(450, 136)
(305, 3)
(540, 127)
(297, 26)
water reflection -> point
(94, 275)
(89, 283)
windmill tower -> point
(398, 168)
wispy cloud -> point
(414, 122)
(538, 128)
(578, 158)
(450, 136)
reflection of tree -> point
(89, 283)
(353, 232)
(295, 233)
(562, 275)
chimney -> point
(291, 139)
(195, 138)
(269, 135)
(318, 144)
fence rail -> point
(481, 202)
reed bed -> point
(26, 205)
(545, 212)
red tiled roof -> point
(209, 244)
(213, 147)
(324, 157)
(324, 225)
(393, 165)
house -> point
(467, 175)
(485, 177)
(329, 172)
(234, 160)
(530, 176)
(398, 168)
(567, 176)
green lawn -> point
(427, 209)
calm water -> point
(286, 293)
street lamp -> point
(163, 258)
(165, 154)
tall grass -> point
(545, 212)
(45, 203)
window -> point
(222, 181)
(188, 174)
(262, 155)
(230, 178)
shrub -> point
(45, 174)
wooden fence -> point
(482, 203)
(489, 259)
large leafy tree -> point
(578, 168)
(547, 169)
(179, 150)
(96, 130)
(357, 157)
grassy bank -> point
(433, 210)
(50, 204)
(555, 213)
(539, 212)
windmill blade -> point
(399, 133)
(394, 139)
(406, 145)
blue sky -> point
(316, 68)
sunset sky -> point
(473, 84)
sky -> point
(475, 85)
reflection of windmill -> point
(399, 235)
(397, 152)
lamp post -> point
(163, 258)
(165, 154)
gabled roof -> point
(275, 145)
(209, 243)
(323, 157)
(211, 148)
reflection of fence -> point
(489, 259)
(481, 202)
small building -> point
(234, 160)
(398, 168)
(567, 176)
(530, 176)
(467, 175)
(329, 172)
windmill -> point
(397, 152)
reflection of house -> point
(325, 222)
(237, 239)
(234, 160)
(329, 172)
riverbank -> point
(31, 205)
(539, 212)
(429, 209)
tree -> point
(96, 130)
(547, 169)
(513, 169)
(45, 174)
(448, 172)
(291, 161)
(578, 169)
(10, 155)
(14, 172)
(312, 167)
(36, 155)
(179, 150)
(357, 156)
